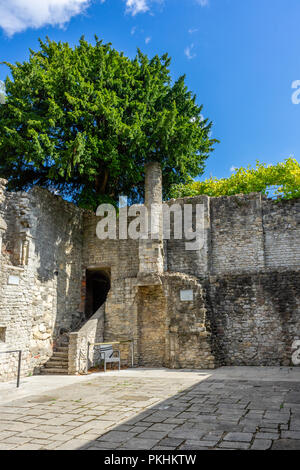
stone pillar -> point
(151, 250)
(153, 184)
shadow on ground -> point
(212, 414)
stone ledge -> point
(148, 279)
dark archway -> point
(97, 288)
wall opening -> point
(97, 288)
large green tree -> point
(85, 120)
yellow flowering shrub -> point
(281, 180)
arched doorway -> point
(97, 288)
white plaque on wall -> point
(186, 295)
(13, 280)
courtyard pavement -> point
(230, 408)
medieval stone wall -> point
(250, 267)
(255, 318)
(243, 234)
(40, 276)
(244, 282)
(281, 224)
(245, 238)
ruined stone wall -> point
(281, 225)
(243, 234)
(247, 240)
(120, 260)
(189, 327)
(40, 276)
(120, 256)
(255, 318)
(250, 267)
(244, 281)
(178, 259)
(237, 238)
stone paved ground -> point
(163, 410)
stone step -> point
(50, 364)
(54, 371)
(61, 348)
(60, 354)
(59, 357)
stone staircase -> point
(58, 363)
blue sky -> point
(240, 57)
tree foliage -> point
(85, 120)
(283, 179)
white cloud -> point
(133, 7)
(233, 169)
(137, 6)
(147, 40)
(18, 15)
(189, 52)
(193, 30)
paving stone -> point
(74, 444)
(7, 446)
(5, 434)
(29, 446)
(163, 448)
(59, 438)
(295, 425)
(261, 444)
(266, 435)
(171, 441)
(102, 446)
(16, 440)
(139, 444)
(116, 436)
(88, 436)
(148, 434)
(193, 447)
(234, 445)
(186, 434)
(162, 427)
(134, 425)
(238, 437)
(290, 435)
(286, 444)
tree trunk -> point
(101, 181)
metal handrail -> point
(19, 351)
(110, 343)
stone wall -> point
(189, 328)
(92, 332)
(243, 234)
(255, 318)
(281, 224)
(40, 276)
(245, 237)
(244, 283)
(178, 259)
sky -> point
(241, 59)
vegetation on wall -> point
(83, 121)
(281, 180)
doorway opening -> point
(97, 288)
